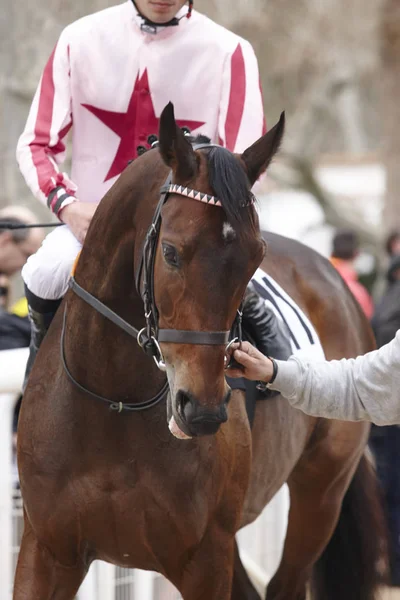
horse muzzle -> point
(194, 420)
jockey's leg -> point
(269, 333)
(41, 313)
(46, 275)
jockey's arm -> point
(40, 148)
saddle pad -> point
(303, 337)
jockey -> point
(109, 77)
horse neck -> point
(106, 270)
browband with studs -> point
(173, 188)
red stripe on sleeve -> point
(40, 146)
(236, 99)
(264, 129)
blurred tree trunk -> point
(5, 65)
(390, 63)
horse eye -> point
(170, 255)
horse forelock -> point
(230, 184)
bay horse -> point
(103, 472)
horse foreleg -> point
(317, 487)
(40, 577)
(242, 588)
(208, 574)
(308, 531)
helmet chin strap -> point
(152, 27)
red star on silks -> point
(134, 126)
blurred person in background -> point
(392, 244)
(16, 246)
(4, 292)
(386, 319)
(345, 249)
(152, 53)
(385, 441)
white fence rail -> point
(260, 543)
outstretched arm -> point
(365, 388)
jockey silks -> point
(109, 80)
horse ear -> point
(259, 155)
(175, 149)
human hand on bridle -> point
(255, 365)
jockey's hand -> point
(78, 216)
(255, 365)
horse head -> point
(207, 252)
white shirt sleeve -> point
(40, 148)
(364, 388)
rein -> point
(149, 336)
(12, 226)
(116, 406)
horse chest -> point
(134, 505)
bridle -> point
(150, 336)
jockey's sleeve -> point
(241, 114)
(364, 388)
(40, 148)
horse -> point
(123, 463)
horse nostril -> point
(200, 420)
